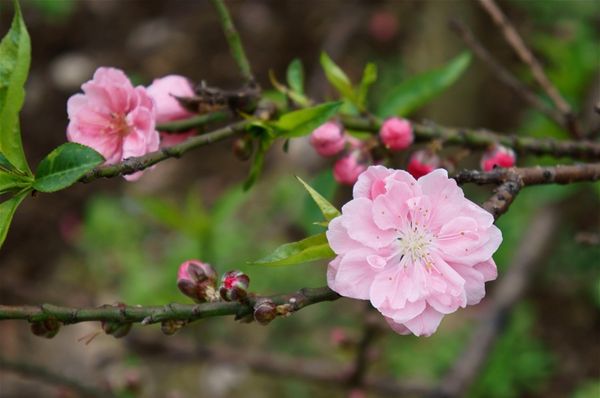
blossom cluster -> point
(417, 249)
(119, 120)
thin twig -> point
(47, 376)
(361, 360)
(509, 290)
(234, 41)
(503, 74)
(518, 45)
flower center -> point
(119, 124)
(415, 243)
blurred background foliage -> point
(112, 241)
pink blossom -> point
(347, 169)
(396, 133)
(328, 139)
(422, 162)
(168, 109)
(417, 249)
(498, 156)
(113, 117)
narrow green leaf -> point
(6, 165)
(15, 56)
(64, 166)
(13, 182)
(310, 249)
(7, 211)
(337, 77)
(369, 77)
(304, 121)
(412, 94)
(329, 211)
(295, 76)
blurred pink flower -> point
(498, 156)
(416, 249)
(396, 133)
(422, 162)
(113, 117)
(347, 169)
(328, 139)
(168, 108)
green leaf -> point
(329, 211)
(7, 211)
(304, 121)
(295, 76)
(337, 77)
(13, 182)
(415, 92)
(64, 166)
(15, 56)
(310, 249)
(369, 77)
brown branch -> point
(561, 174)
(317, 371)
(47, 376)
(503, 74)
(509, 290)
(513, 38)
(361, 360)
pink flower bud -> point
(197, 280)
(234, 286)
(498, 156)
(116, 329)
(265, 311)
(383, 26)
(347, 169)
(163, 91)
(396, 133)
(328, 139)
(422, 162)
(47, 328)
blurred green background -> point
(114, 241)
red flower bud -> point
(498, 156)
(197, 280)
(422, 163)
(234, 285)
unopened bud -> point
(47, 328)
(116, 329)
(265, 311)
(396, 134)
(234, 286)
(328, 139)
(197, 280)
(171, 326)
(498, 156)
(347, 169)
(422, 162)
(243, 148)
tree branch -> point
(179, 126)
(503, 75)
(513, 38)
(234, 41)
(481, 138)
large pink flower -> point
(417, 249)
(163, 92)
(113, 117)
